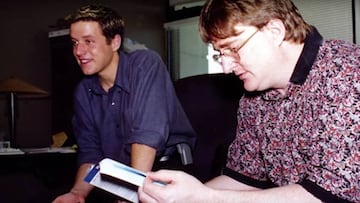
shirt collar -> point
(122, 73)
(303, 66)
(121, 79)
(307, 57)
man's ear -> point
(277, 30)
(116, 42)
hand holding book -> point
(117, 178)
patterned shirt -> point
(310, 136)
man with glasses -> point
(298, 134)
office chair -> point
(210, 102)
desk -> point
(36, 177)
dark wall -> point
(25, 49)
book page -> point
(122, 172)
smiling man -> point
(125, 108)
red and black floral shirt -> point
(312, 135)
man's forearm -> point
(81, 187)
(291, 193)
(142, 157)
(226, 189)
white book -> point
(116, 178)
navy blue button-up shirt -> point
(141, 107)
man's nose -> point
(227, 65)
(79, 49)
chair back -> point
(210, 102)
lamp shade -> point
(12, 87)
(16, 85)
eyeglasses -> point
(232, 52)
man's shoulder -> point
(143, 54)
(337, 57)
(341, 48)
(143, 60)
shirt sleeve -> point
(149, 100)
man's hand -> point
(180, 187)
(69, 198)
(80, 189)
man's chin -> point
(87, 71)
(249, 86)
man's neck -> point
(291, 56)
(108, 75)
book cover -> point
(116, 178)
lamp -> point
(12, 87)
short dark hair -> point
(110, 21)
